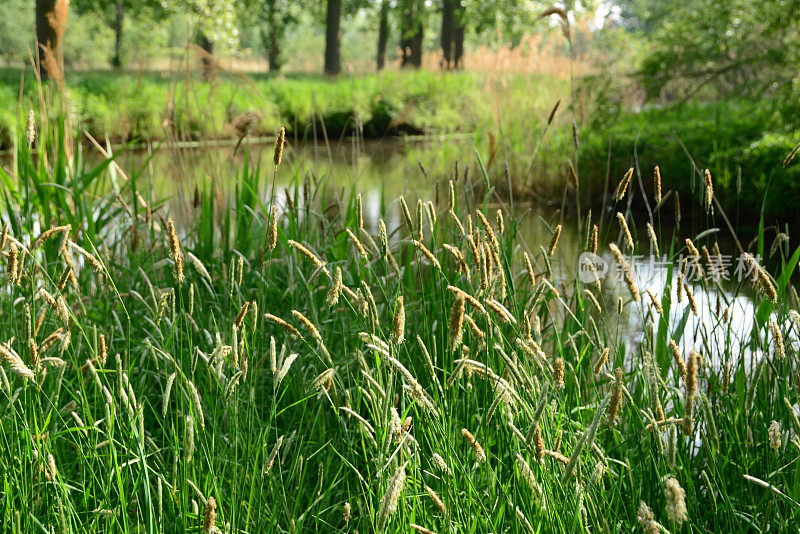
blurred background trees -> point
(669, 51)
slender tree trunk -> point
(207, 59)
(119, 21)
(383, 34)
(274, 52)
(51, 23)
(333, 60)
(448, 33)
(411, 33)
(273, 45)
(458, 36)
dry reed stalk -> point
(308, 325)
(709, 191)
(690, 298)
(480, 454)
(440, 464)
(616, 398)
(626, 270)
(49, 233)
(775, 439)
(406, 215)
(594, 240)
(428, 254)
(777, 340)
(310, 256)
(651, 233)
(554, 241)
(437, 501)
(16, 363)
(389, 501)
(622, 187)
(197, 404)
(273, 454)
(399, 322)
(679, 363)
(601, 361)
(457, 321)
(175, 251)
(210, 516)
(647, 520)
(654, 301)
(501, 311)
(280, 141)
(287, 364)
(558, 373)
(625, 231)
(676, 501)
(657, 184)
(12, 264)
(357, 244)
(332, 298)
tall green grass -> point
(195, 398)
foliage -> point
(733, 47)
(138, 391)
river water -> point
(383, 170)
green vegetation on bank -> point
(300, 369)
(154, 106)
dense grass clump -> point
(278, 363)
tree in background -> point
(215, 22)
(383, 32)
(276, 17)
(412, 26)
(113, 13)
(333, 38)
(51, 23)
(452, 34)
(730, 47)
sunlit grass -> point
(226, 363)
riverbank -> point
(157, 105)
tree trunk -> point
(333, 60)
(383, 34)
(207, 59)
(273, 53)
(448, 33)
(411, 33)
(51, 23)
(458, 37)
(273, 45)
(116, 61)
